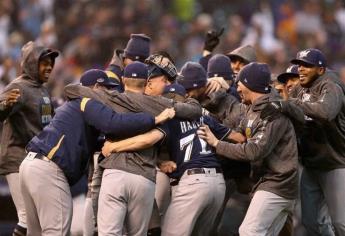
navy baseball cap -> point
(256, 77)
(193, 76)
(49, 53)
(311, 56)
(138, 47)
(291, 71)
(136, 70)
(219, 66)
(175, 88)
(93, 76)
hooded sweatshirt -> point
(29, 115)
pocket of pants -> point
(192, 180)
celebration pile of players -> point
(219, 147)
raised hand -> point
(212, 39)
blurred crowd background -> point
(87, 32)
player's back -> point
(187, 149)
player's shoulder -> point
(209, 120)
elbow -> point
(254, 153)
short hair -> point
(174, 96)
(134, 82)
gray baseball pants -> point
(89, 224)
(162, 199)
(125, 203)
(323, 191)
(47, 197)
(89, 227)
(195, 203)
(16, 193)
(266, 214)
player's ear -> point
(96, 85)
(321, 70)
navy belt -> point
(195, 171)
(42, 157)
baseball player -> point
(60, 154)
(94, 79)
(290, 78)
(240, 57)
(322, 143)
(161, 71)
(271, 147)
(137, 49)
(25, 109)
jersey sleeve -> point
(109, 122)
(219, 130)
(164, 129)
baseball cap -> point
(49, 53)
(219, 66)
(175, 88)
(136, 70)
(193, 76)
(138, 47)
(256, 77)
(311, 56)
(246, 52)
(93, 76)
(291, 71)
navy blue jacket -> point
(71, 138)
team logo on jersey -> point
(46, 111)
(306, 97)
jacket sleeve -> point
(328, 104)
(109, 122)
(203, 61)
(263, 141)
(293, 111)
(190, 109)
